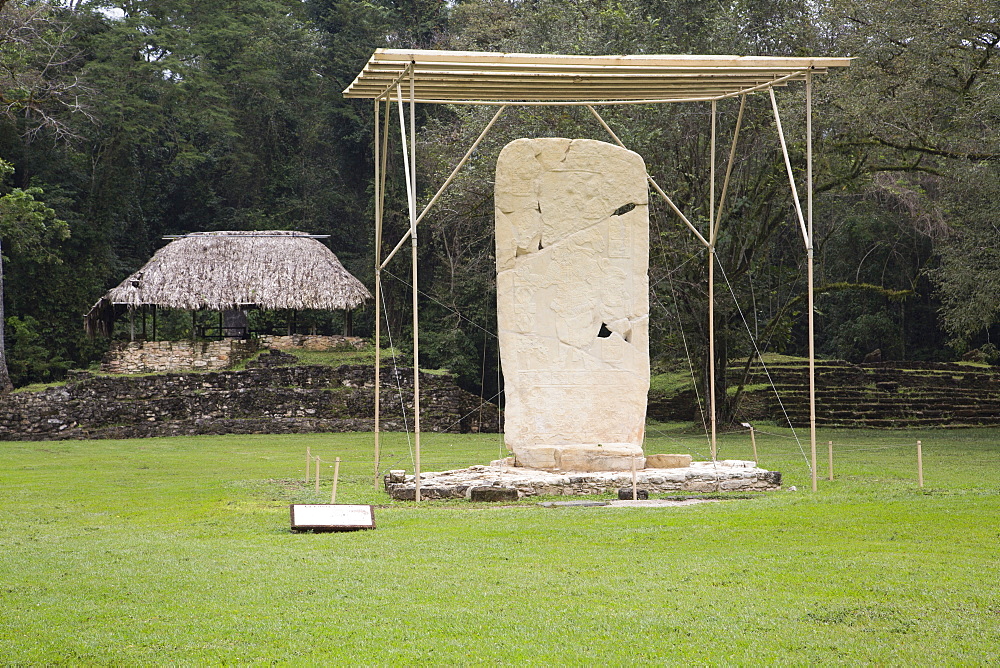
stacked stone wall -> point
(311, 342)
(160, 356)
(256, 401)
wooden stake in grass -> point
(920, 464)
(753, 442)
(829, 447)
(317, 475)
(308, 464)
(336, 476)
(635, 491)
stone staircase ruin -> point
(879, 395)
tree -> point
(38, 87)
(919, 115)
(968, 278)
(42, 98)
(28, 228)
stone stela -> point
(572, 243)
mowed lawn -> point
(178, 550)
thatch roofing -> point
(227, 270)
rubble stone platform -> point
(722, 476)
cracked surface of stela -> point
(572, 236)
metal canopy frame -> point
(519, 79)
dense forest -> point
(121, 122)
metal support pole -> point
(461, 163)
(711, 285)
(413, 249)
(713, 221)
(378, 371)
(788, 167)
(711, 346)
(656, 187)
(809, 259)
(387, 91)
(410, 195)
(410, 168)
(444, 186)
(378, 287)
(729, 166)
(812, 371)
(809, 158)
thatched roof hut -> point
(233, 270)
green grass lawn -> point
(177, 550)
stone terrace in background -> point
(278, 400)
(880, 395)
(315, 342)
(160, 356)
(896, 395)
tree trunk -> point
(724, 407)
(5, 384)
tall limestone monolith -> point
(572, 242)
